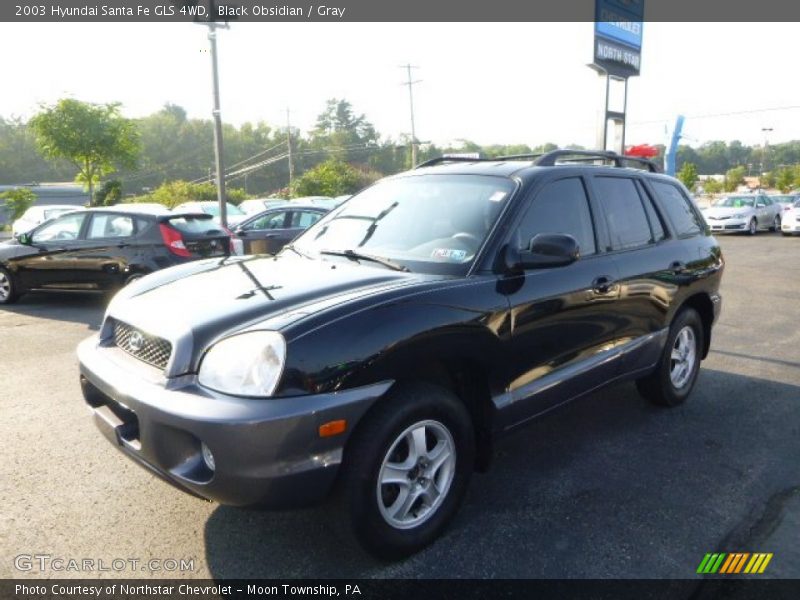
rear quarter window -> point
(678, 208)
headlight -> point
(740, 215)
(248, 364)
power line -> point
(725, 114)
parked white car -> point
(36, 215)
(259, 205)
(743, 212)
(790, 221)
(210, 207)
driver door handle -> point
(603, 284)
(677, 267)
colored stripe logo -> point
(734, 562)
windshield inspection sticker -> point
(497, 196)
(449, 254)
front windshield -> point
(440, 219)
(736, 202)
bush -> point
(17, 201)
(173, 193)
(331, 178)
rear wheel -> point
(8, 287)
(406, 469)
(752, 228)
(672, 381)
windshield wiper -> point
(359, 256)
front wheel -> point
(8, 287)
(675, 375)
(776, 224)
(407, 468)
(752, 228)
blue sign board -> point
(620, 21)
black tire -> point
(752, 227)
(9, 291)
(379, 438)
(659, 387)
(776, 224)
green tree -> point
(17, 201)
(784, 180)
(95, 138)
(712, 186)
(331, 178)
(733, 178)
(109, 193)
(688, 175)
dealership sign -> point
(618, 36)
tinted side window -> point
(110, 226)
(625, 214)
(67, 227)
(304, 219)
(270, 221)
(656, 225)
(679, 208)
(561, 207)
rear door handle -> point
(603, 284)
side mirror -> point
(760, 205)
(24, 238)
(545, 250)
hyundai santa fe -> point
(376, 358)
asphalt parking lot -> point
(607, 487)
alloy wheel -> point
(416, 474)
(5, 286)
(684, 355)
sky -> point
(487, 82)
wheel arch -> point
(702, 303)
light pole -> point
(212, 38)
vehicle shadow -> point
(77, 308)
(608, 486)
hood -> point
(715, 212)
(10, 249)
(206, 299)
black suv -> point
(104, 248)
(380, 354)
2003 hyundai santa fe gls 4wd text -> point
(379, 355)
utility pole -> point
(212, 38)
(289, 148)
(410, 85)
(766, 131)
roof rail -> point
(549, 159)
(518, 156)
(441, 159)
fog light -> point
(208, 458)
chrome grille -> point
(148, 348)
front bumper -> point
(790, 226)
(728, 225)
(266, 452)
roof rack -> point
(549, 159)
